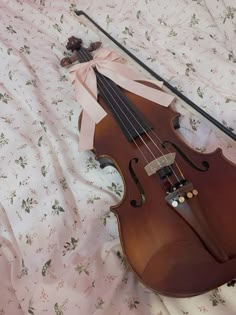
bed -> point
(59, 246)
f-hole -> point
(205, 164)
(133, 202)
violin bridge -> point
(164, 160)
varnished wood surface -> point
(160, 247)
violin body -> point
(160, 247)
(177, 235)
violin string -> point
(103, 83)
(133, 140)
(84, 53)
(141, 138)
(181, 173)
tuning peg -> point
(94, 46)
(65, 62)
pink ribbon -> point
(84, 80)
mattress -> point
(59, 245)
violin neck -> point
(131, 121)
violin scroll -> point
(75, 43)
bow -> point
(84, 80)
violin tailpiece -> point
(184, 200)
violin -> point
(177, 216)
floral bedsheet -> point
(59, 246)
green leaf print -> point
(197, 38)
(128, 31)
(44, 170)
(57, 27)
(72, 7)
(194, 20)
(24, 270)
(64, 184)
(138, 14)
(3, 140)
(108, 19)
(91, 164)
(70, 115)
(45, 267)
(69, 246)
(147, 36)
(194, 123)
(216, 298)
(189, 69)
(91, 199)
(63, 78)
(58, 309)
(162, 20)
(57, 208)
(28, 204)
(31, 82)
(232, 57)
(10, 29)
(152, 59)
(62, 19)
(55, 102)
(7, 120)
(116, 188)
(172, 33)
(10, 75)
(5, 98)
(132, 304)
(30, 308)
(99, 304)
(200, 92)
(9, 50)
(40, 141)
(122, 259)
(21, 161)
(29, 239)
(82, 268)
(12, 196)
(104, 217)
(229, 14)
(43, 125)
(25, 50)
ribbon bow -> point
(84, 80)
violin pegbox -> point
(75, 44)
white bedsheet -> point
(59, 246)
